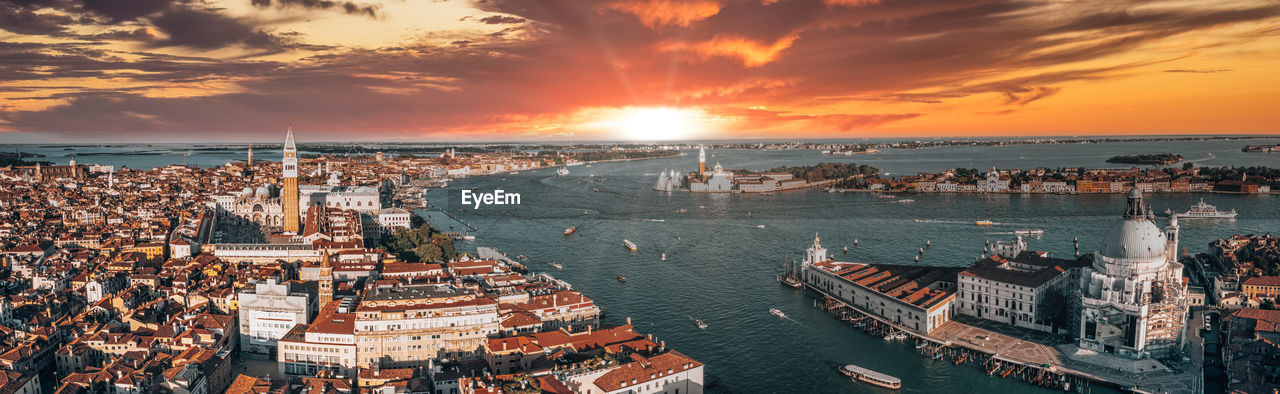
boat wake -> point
(1211, 157)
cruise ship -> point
(1203, 210)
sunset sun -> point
(660, 123)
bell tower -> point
(326, 281)
(289, 197)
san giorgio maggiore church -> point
(269, 205)
(1133, 299)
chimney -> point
(628, 320)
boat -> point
(759, 226)
(984, 222)
(562, 171)
(586, 213)
(871, 377)
(960, 359)
(906, 201)
(556, 265)
(664, 257)
(682, 210)
(886, 196)
(622, 279)
(595, 190)
(1035, 232)
(629, 245)
(1203, 210)
(922, 344)
(701, 324)
(778, 313)
(570, 230)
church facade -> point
(1133, 298)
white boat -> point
(629, 245)
(759, 226)
(1035, 232)
(886, 196)
(557, 265)
(664, 257)
(1203, 210)
(906, 201)
(701, 324)
(778, 313)
(570, 230)
(562, 171)
(872, 377)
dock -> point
(1006, 355)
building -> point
(406, 326)
(364, 199)
(915, 297)
(394, 218)
(328, 343)
(1262, 287)
(269, 312)
(1011, 287)
(289, 196)
(1133, 301)
(670, 372)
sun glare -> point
(660, 123)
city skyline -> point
(162, 71)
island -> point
(1262, 148)
(1152, 159)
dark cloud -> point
(139, 34)
(21, 20)
(501, 19)
(205, 29)
(1199, 71)
(127, 10)
(344, 6)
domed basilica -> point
(1133, 301)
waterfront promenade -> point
(1044, 352)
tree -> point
(429, 252)
(1188, 165)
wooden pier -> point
(1046, 375)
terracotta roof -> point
(643, 370)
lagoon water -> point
(721, 266)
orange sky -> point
(239, 70)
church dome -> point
(248, 191)
(1135, 238)
(263, 192)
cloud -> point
(818, 66)
(344, 6)
(1199, 71)
(24, 21)
(501, 19)
(751, 53)
(126, 10)
(659, 13)
(205, 29)
(1023, 96)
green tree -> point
(429, 252)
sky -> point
(530, 70)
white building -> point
(1009, 286)
(328, 343)
(403, 327)
(994, 182)
(394, 218)
(920, 299)
(365, 199)
(670, 372)
(269, 311)
(1134, 300)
